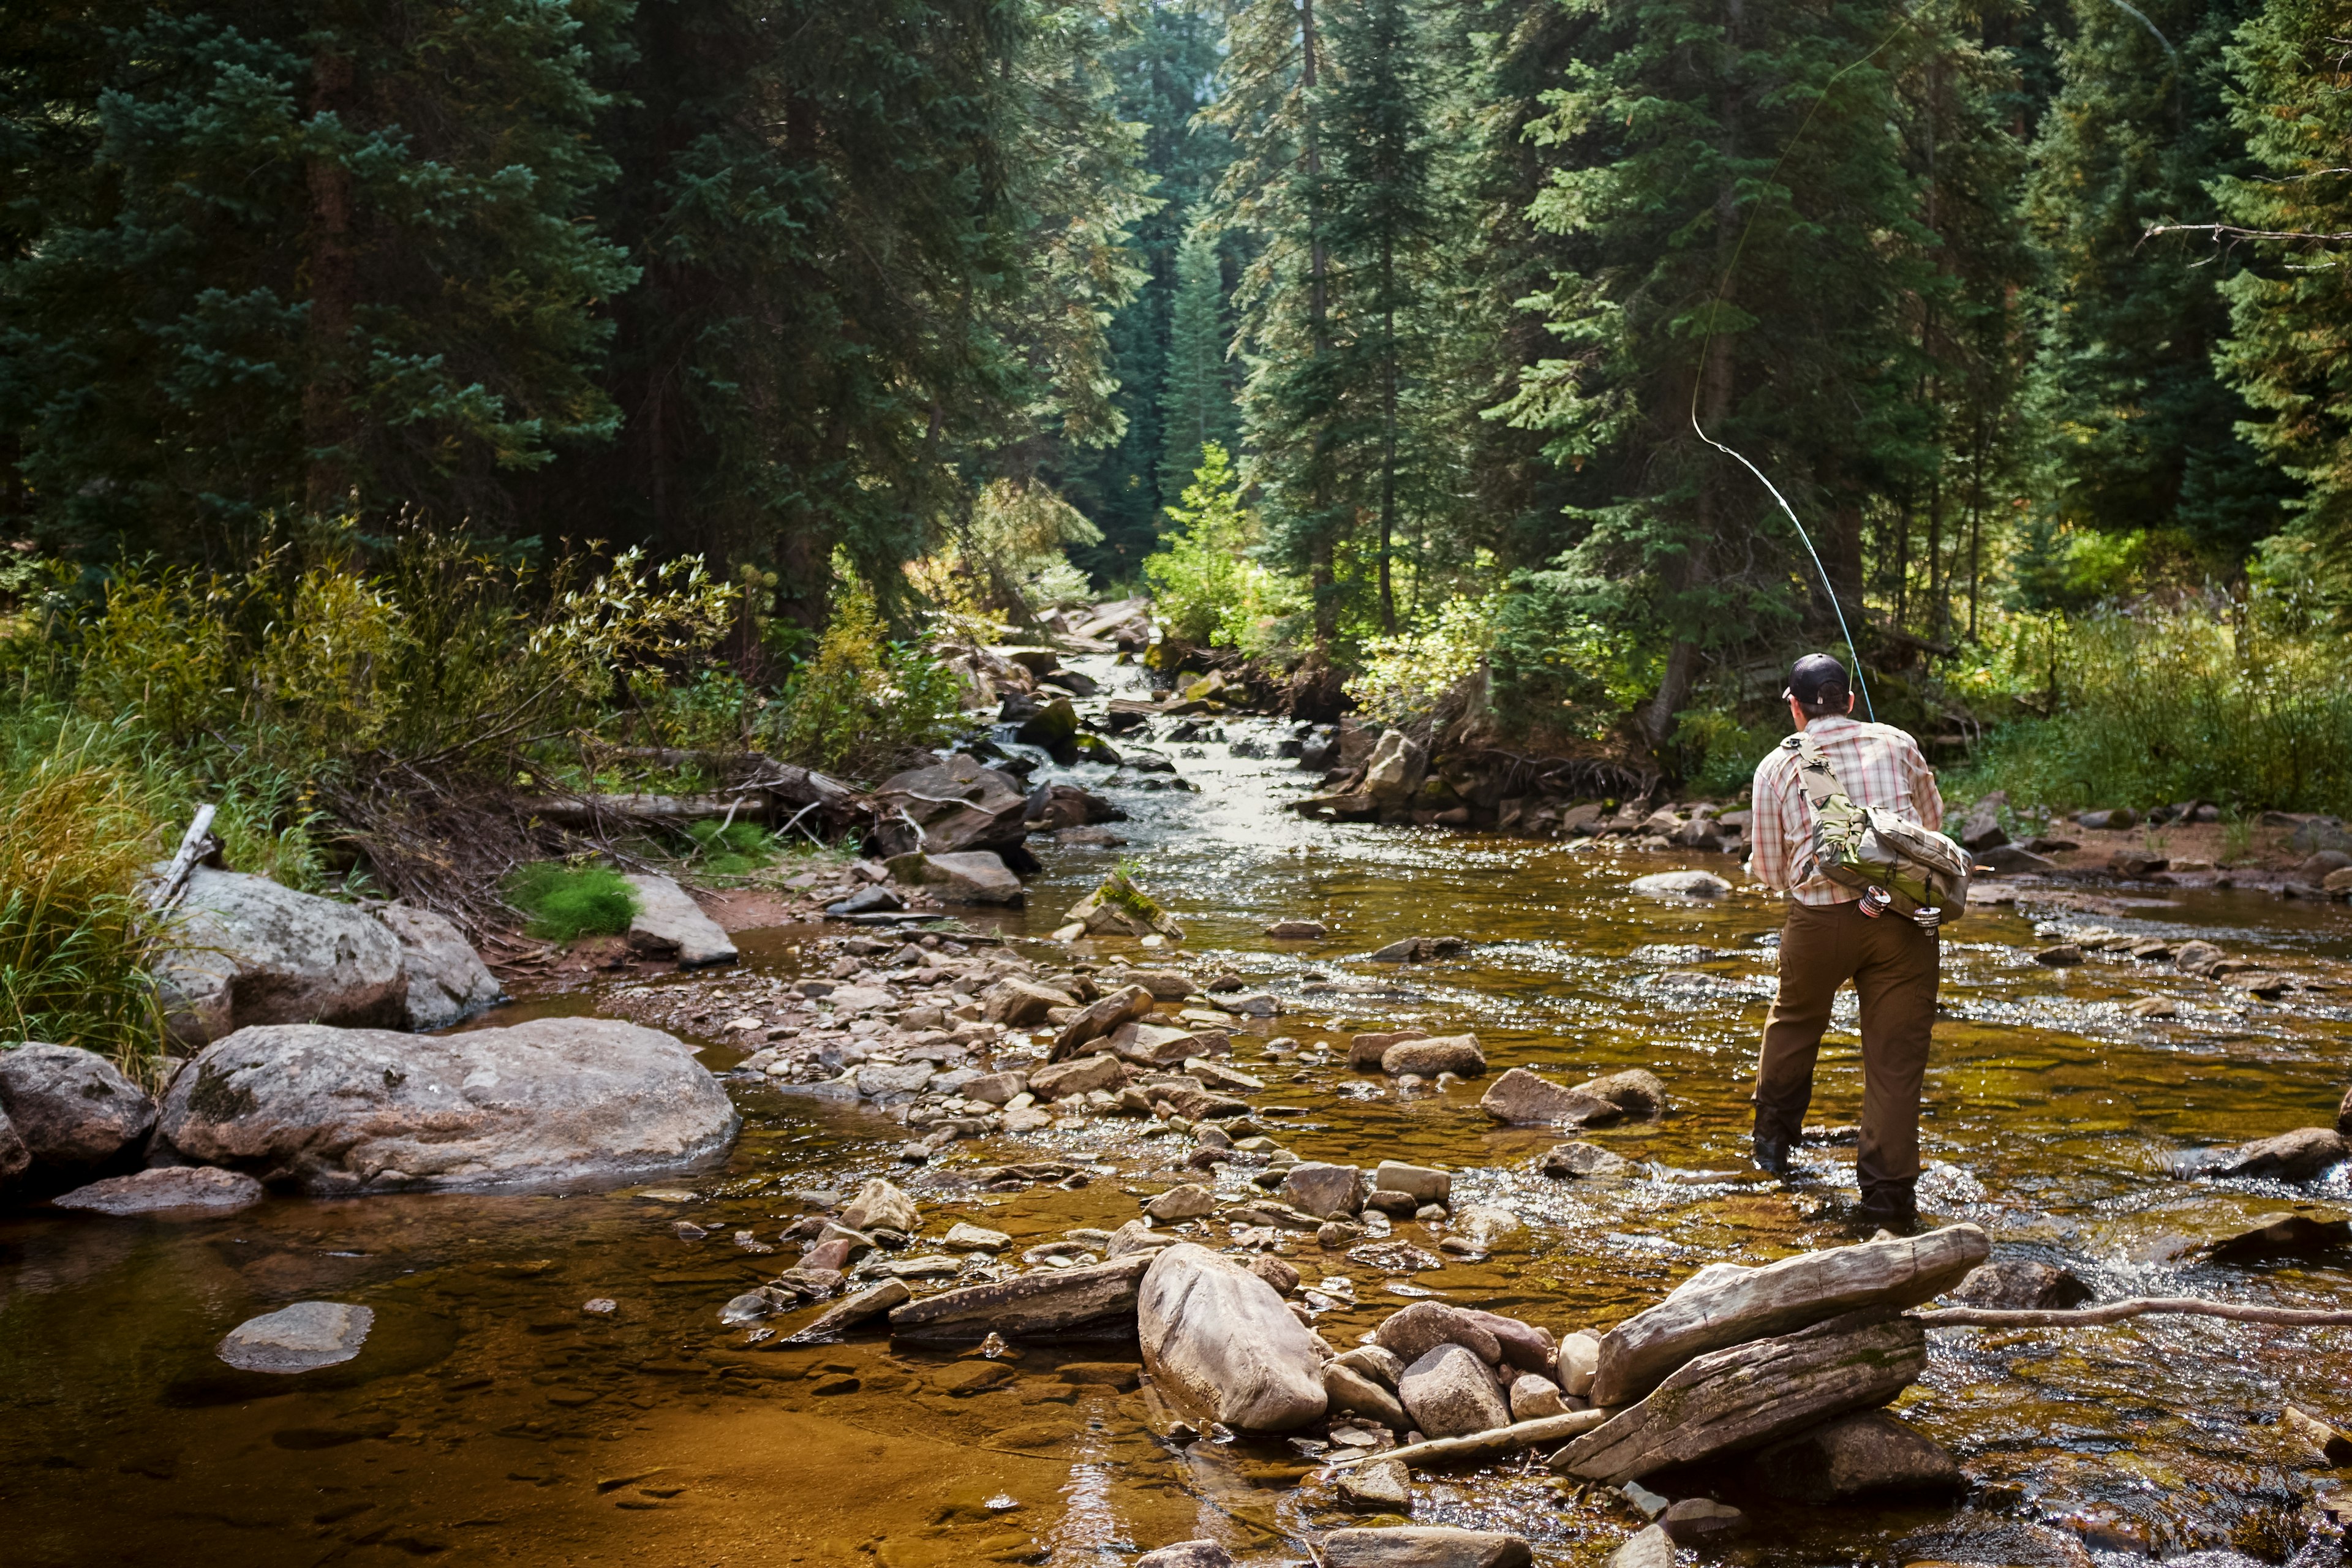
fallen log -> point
(1489, 1444)
(2134, 1307)
(1052, 1302)
(784, 785)
(1748, 1394)
(1726, 1305)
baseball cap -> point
(1817, 679)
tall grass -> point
(73, 843)
(2243, 701)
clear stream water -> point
(490, 1419)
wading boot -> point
(1889, 1206)
(1771, 1149)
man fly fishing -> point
(1844, 821)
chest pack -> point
(1866, 846)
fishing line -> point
(1715, 313)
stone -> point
(1061, 806)
(2061, 955)
(1421, 950)
(1088, 1298)
(1153, 1044)
(1695, 1520)
(1396, 769)
(1725, 1304)
(1119, 907)
(1099, 1017)
(995, 1088)
(1217, 1337)
(2343, 1114)
(1523, 1345)
(1680, 885)
(1190, 1201)
(1423, 1183)
(1345, 1388)
(1450, 1393)
(2108, 821)
(1364, 1051)
(1649, 1547)
(303, 1337)
(1521, 1098)
(1165, 984)
(1424, 1546)
(1979, 827)
(948, 806)
(1576, 1362)
(850, 1310)
(1083, 1076)
(1382, 1487)
(445, 979)
(1457, 1054)
(1396, 1205)
(2283, 1235)
(552, 1102)
(246, 951)
(2303, 1155)
(72, 1109)
(1637, 1091)
(1135, 1236)
(1412, 1332)
(1753, 1393)
(669, 924)
(964, 1236)
(1324, 1190)
(2024, 1283)
(1871, 1454)
(1583, 1161)
(881, 1206)
(1020, 1004)
(2134, 864)
(1533, 1395)
(2321, 1437)
(1274, 1271)
(1380, 1364)
(1187, 1554)
(184, 1190)
(2197, 957)
(1297, 930)
(1253, 1005)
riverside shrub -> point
(568, 902)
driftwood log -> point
(194, 845)
(1052, 1302)
(2134, 1307)
(1489, 1445)
(1726, 1305)
(1748, 1394)
(774, 795)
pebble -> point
(600, 1306)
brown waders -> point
(1892, 966)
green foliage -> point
(1210, 589)
(733, 849)
(1196, 397)
(2246, 702)
(1406, 675)
(73, 842)
(568, 902)
(861, 700)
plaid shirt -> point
(1877, 764)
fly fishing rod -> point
(1714, 314)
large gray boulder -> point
(14, 1157)
(951, 805)
(1450, 1393)
(550, 1102)
(1219, 1338)
(72, 1108)
(246, 951)
(447, 979)
(184, 1192)
(669, 924)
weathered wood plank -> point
(1750, 1394)
(1723, 1305)
(1489, 1444)
(1050, 1302)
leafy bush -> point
(73, 845)
(2244, 702)
(1208, 588)
(861, 699)
(1406, 675)
(568, 902)
(733, 849)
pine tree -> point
(295, 256)
(2141, 433)
(2290, 348)
(1196, 398)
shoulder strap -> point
(1815, 777)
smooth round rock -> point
(303, 1337)
(188, 1191)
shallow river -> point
(490, 1419)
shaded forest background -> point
(2033, 310)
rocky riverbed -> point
(1473, 1076)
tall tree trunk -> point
(333, 267)
(1388, 454)
(1322, 578)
